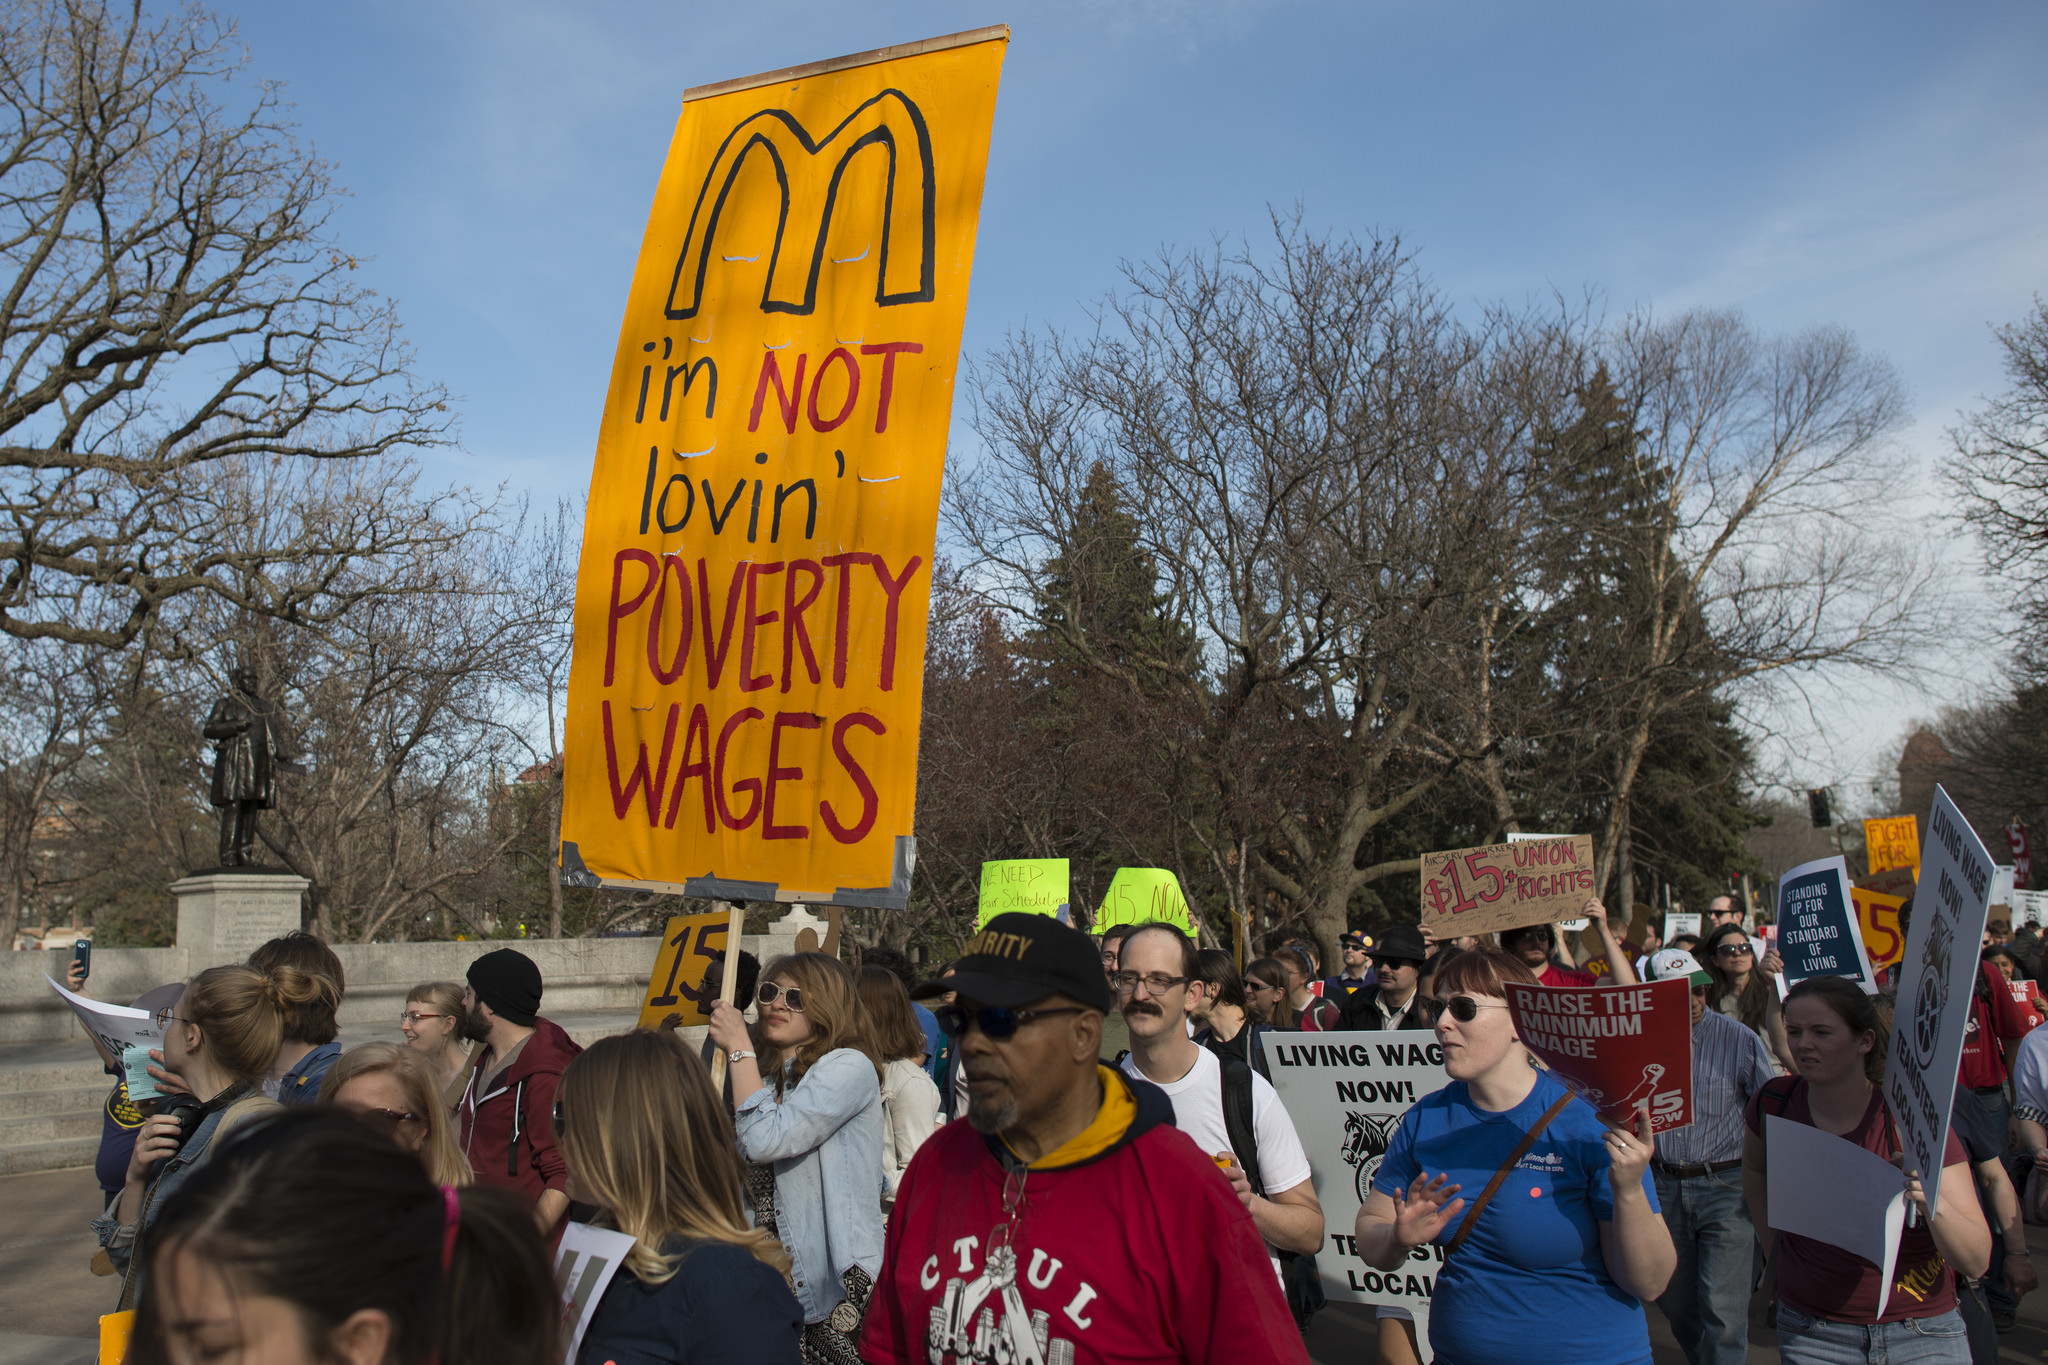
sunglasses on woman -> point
(561, 1121)
(792, 996)
(386, 1121)
(1735, 950)
(996, 1022)
(1465, 1009)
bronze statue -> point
(249, 751)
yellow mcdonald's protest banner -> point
(1892, 843)
(756, 568)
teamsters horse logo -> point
(1933, 993)
(1366, 1139)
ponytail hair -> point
(242, 1012)
(312, 1207)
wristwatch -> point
(736, 1054)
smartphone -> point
(81, 956)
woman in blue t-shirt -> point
(1556, 1266)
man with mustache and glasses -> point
(1067, 1221)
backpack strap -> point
(1778, 1091)
(1240, 1119)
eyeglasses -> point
(996, 1021)
(164, 1020)
(1155, 983)
(1735, 950)
(792, 996)
(414, 1017)
(1465, 1009)
(386, 1121)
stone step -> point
(17, 1076)
(33, 1128)
(71, 1100)
(55, 1155)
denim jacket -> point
(122, 1239)
(825, 1142)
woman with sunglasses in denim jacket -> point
(1557, 1262)
(809, 1119)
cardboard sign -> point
(1893, 843)
(1896, 881)
(1835, 1191)
(1036, 886)
(685, 981)
(1817, 926)
(752, 596)
(584, 1265)
(1617, 1046)
(1502, 886)
(1937, 979)
(1345, 1094)
(1139, 894)
(1877, 919)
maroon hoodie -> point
(508, 1131)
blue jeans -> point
(1939, 1340)
(1708, 1299)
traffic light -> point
(1817, 807)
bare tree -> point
(2000, 471)
(172, 301)
(51, 705)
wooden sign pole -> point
(728, 984)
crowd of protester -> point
(1125, 1160)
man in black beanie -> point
(507, 1109)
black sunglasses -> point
(1465, 1009)
(561, 1121)
(996, 1021)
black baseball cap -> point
(1018, 958)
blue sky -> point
(1877, 165)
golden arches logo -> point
(809, 176)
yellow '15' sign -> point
(756, 568)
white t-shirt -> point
(1198, 1111)
(2030, 1074)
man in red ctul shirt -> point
(1067, 1221)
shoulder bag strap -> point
(1521, 1150)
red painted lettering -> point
(648, 785)
(870, 804)
(794, 632)
(748, 681)
(715, 655)
(842, 629)
(888, 350)
(892, 588)
(657, 617)
(619, 610)
(845, 357)
(787, 399)
(697, 740)
(799, 720)
(751, 785)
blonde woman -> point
(219, 1040)
(910, 1100)
(810, 1119)
(647, 1140)
(432, 1025)
(394, 1089)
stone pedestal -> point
(224, 916)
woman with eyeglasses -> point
(648, 1142)
(220, 1038)
(809, 1120)
(1550, 1223)
(393, 1089)
(1746, 989)
(432, 1025)
(910, 1098)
